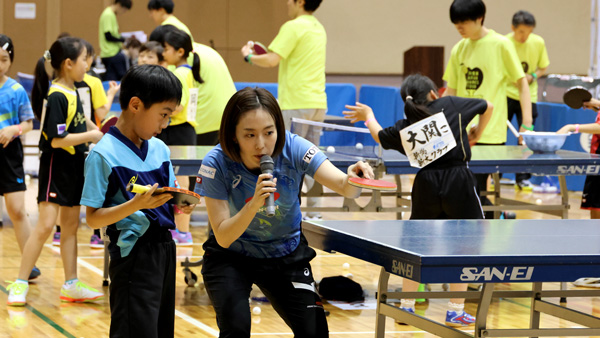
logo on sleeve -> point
(310, 153)
(207, 172)
(60, 128)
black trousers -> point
(116, 67)
(288, 283)
(514, 108)
(142, 289)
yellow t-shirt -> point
(172, 20)
(483, 69)
(108, 23)
(301, 45)
(216, 90)
(92, 96)
(533, 55)
(189, 97)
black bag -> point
(341, 288)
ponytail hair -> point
(61, 49)
(415, 90)
(7, 44)
(180, 39)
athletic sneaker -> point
(455, 320)
(545, 188)
(182, 238)
(96, 242)
(524, 185)
(79, 292)
(56, 239)
(35, 273)
(17, 294)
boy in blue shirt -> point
(142, 251)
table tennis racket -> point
(372, 184)
(107, 123)
(180, 196)
(259, 48)
(575, 97)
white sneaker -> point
(17, 294)
(545, 188)
(79, 292)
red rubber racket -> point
(372, 184)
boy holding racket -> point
(142, 251)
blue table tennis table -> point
(485, 159)
(481, 251)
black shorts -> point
(287, 282)
(446, 193)
(514, 108)
(180, 135)
(590, 199)
(208, 139)
(61, 178)
(12, 176)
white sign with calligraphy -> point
(427, 140)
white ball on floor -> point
(538, 201)
(256, 310)
(330, 149)
(346, 266)
(359, 146)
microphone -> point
(266, 167)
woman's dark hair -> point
(463, 10)
(168, 5)
(243, 101)
(151, 84)
(523, 18)
(180, 39)
(7, 44)
(417, 87)
(88, 47)
(62, 49)
(155, 47)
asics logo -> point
(236, 181)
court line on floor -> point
(178, 313)
(43, 317)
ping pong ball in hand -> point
(256, 310)
(346, 266)
(359, 146)
(330, 149)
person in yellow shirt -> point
(299, 51)
(161, 12)
(533, 55)
(482, 65)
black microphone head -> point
(266, 163)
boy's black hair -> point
(463, 10)
(7, 44)
(159, 33)
(124, 3)
(151, 84)
(523, 18)
(154, 47)
(311, 5)
(168, 5)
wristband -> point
(369, 120)
(527, 128)
(534, 75)
(20, 129)
(576, 128)
(248, 58)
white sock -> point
(407, 303)
(458, 308)
(68, 284)
(20, 281)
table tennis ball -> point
(359, 146)
(346, 266)
(330, 149)
(256, 310)
(538, 201)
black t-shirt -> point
(458, 111)
(64, 115)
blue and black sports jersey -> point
(111, 165)
(266, 237)
(14, 104)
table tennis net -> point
(343, 138)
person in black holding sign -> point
(445, 188)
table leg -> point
(482, 310)
(382, 286)
(496, 178)
(534, 319)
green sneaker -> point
(17, 293)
